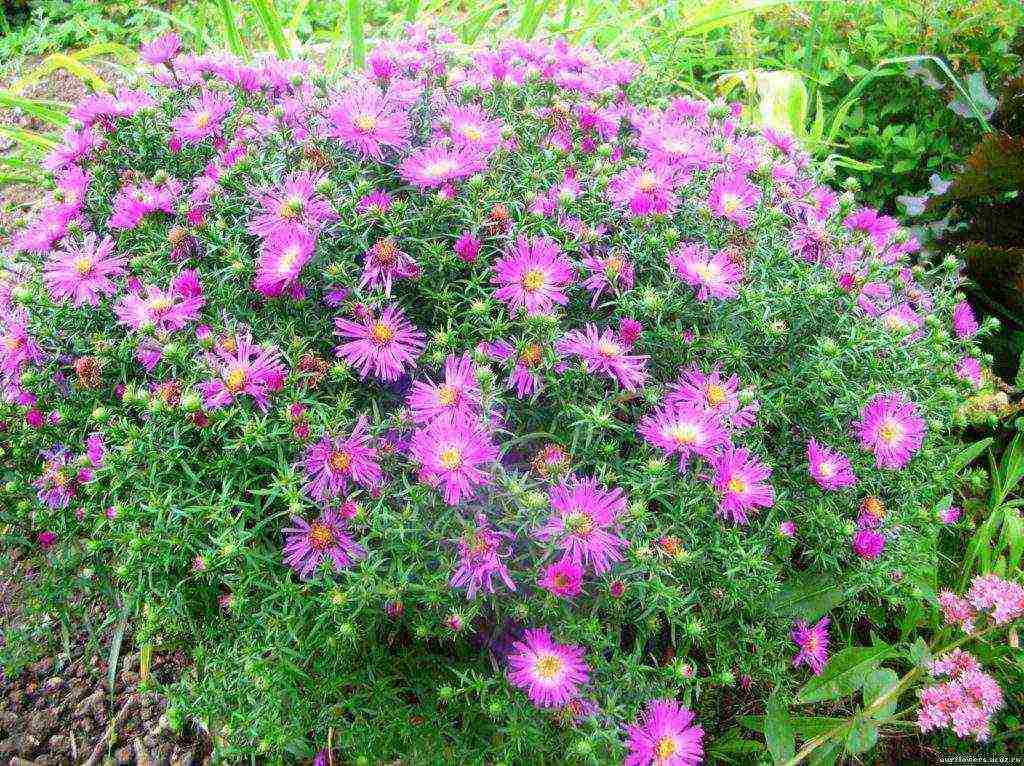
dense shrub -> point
(390, 398)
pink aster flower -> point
(383, 346)
(889, 426)
(283, 254)
(550, 673)
(242, 368)
(964, 323)
(630, 331)
(56, 485)
(733, 197)
(160, 50)
(533, 276)
(292, 203)
(377, 202)
(134, 202)
(367, 121)
(813, 644)
(665, 735)
(645, 190)
(563, 578)
(957, 611)
(712, 392)
(385, 262)
(436, 165)
(969, 369)
(1002, 599)
(868, 543)
(712, 274)
(740, 478)
(472, 129)
(482, 554)
(81, 273)
(878, 228)
(458, 396)
(203, 117)
(165, 311)
(307, 545)
(602, 352)
(613, 273)
(787, 528)
(830, 469)
(335, 462)
(583, 522)
(467, 247)
(684, 430)
(454, 453)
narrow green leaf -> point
(809, 598)
(49, 112)
(412, 9)
(271, 24)
(968, 455)
(862, 737)
(234, 40)
(778, 733)
(844, 673)
(877, 684)
(115, 646)
(826, 755)
(357, 33)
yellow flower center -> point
(531, 355)
(290, 208)
(289, 256)
(83, 264)
(533, 280)
(320, 536)
(827, 469)
(614, 265)
(13, 342)
(160, 305)
(382, 333)
(646, 182)
(737, 485)
(447, 395)
(340, 460)
(385, 251)
(472, 133)
(683, 433)
(59, 479)
(580, 523)
(203, 119)
(715, 395)
(708, 272)
(890, 431)
(677, 146)
(665, 748)
(549, 666)
(450, 458)
(731, 202)
(439, 168)
(235, 380)
(608, 349)
(364, 123)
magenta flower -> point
(203, 117)
(604, 353)
(385, 262)
(868, 543)
(787, 528)
(684, 430)
(964, 323)
(56, 485)
(712, 274)
(965, 702)
(645, 190)
(307, 545)
(377, 202)
(135, 202)
(613, 273)
(382, 346)
(283, 254)
(458, 396)
(878, 228)
(293, 203)
(533, 276)
(830, 469)
(472, 129)
(740, 479)
(563, 578)
(367, 121)
(550, 673)
(454, 454)
(889, 426)
(467, 247)
(713, 393)
(665, 735)
(436, 165)
(244, 369)
(82, 273)
(163, 311)
(46, 539)
(583, 522)
(812, 642)
(334, 462)
(482, 555)
(160, 50)
(969, 369)
(676, 144)
(732, 196)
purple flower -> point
(244, 369)
(367, 121)
(563, 578)
(740, 478)
(969, 369)
(533, 276)
(712, 274)
(382, 346)
(830, 469)
(436, 165)
(307, 545)
(283, 254)
(583, 522)
(889, 426)
(813, 644)
(203, 117)
(551, 673)
(164, 311)
(458, 396)
(602, 352)
(732, 196)
(645, 190)
(385, 262)
(293, 203)
(81, 273)
(467, 247)
(664, 735)
(454, 454)
(377, 202)
(334, 462)
(868, 543)
(684, 430)
(160, 50)
(613, 273)
(482, 555)
(964, 323)
(56, 486)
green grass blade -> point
(300, 9)
(29, 138)
(5, 27)
(411, 10)
(474, 25)
(52, 112)
(231, 26)
(357, 33)
(271, 23)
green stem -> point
(355, 26)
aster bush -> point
(480, 405)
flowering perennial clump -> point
(470, 390)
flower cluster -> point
(965, 702)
